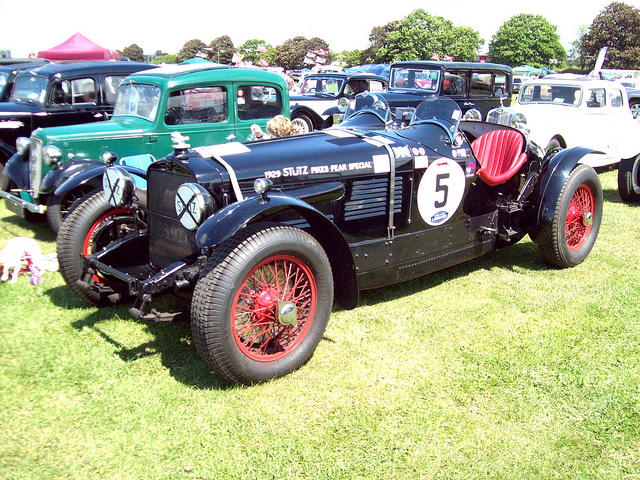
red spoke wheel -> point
(90, 226)
(576, 220)
(262, 304)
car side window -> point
(258, 101)
(615, 98)
(480, 84)
(596, 98)
(196, 105)
(500, 85)
(73, 92)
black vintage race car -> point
(264, 236)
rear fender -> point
(230, 219)
(552, 179)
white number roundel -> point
(440, 191)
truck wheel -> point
(303, 123)
(629, 179)
(634, 105)
(58, 207)
(576, 221)
(262, 303)
(90, 227)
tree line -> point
(524, 39)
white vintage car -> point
(569, 111)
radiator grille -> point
(370, 198)
(169, 241)
(35, 166)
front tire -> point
(576, 221)
(634, 105)
(262, 303)
(629, 179)
(90, 227)
(59, 207)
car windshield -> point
(322, 84)
(137, 100)
(3, 79)
(421, 79)
(550, 93)
(370, 103)
(29, 89)
(439, 110)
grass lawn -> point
(498, 368)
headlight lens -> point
(194, 204)
(473, 115)
(22, 146)
(51, 155)
(118, 186)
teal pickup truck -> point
(206, 102)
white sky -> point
(39, 24)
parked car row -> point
(430, 170)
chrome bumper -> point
(19, 206)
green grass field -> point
(500, 368)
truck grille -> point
(35, 166)
(169, 241)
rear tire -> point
(629, 179)
(262, 303)
(90, 227)
(576, 221)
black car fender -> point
(90, 173)
(553, 176)
(17, 170)
(6, 152)
(229, 220)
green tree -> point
(190, 49)
(251, 53)
(616, 27)
(354, 57)
(133, 52)
(377, 39)
(170, 58)
(292, 52)
(419, 35)
(526, 39)
(221, 50)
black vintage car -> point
(264, 236)
(60, 94)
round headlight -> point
(262, 185)
(118, 186)
(51, 155)
(22, 146)
(343, 104)
(473, 115)
(194, 204)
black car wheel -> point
(90, 227)
(634, 105)
(629, 179)
(576, 221)
(58, 207)
(262, 303)
(303, 123)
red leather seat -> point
(500, 154)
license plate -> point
(15, 208)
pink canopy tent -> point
(78, 47)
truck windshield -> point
(137, 100)
(29, 89)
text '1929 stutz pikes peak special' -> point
(263, 236)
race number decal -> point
(440, 191)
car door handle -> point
(231, 137)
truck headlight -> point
(118, 186)
(22, 146)
(51, 155)
(194, 204)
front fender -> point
(298, 110)
(65, 171)
(17, 169)
(230, 219)
(92, 175)
(552, 180)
